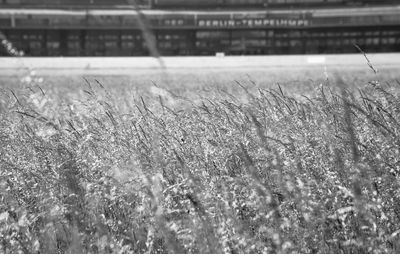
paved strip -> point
(110, 65)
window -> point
(53, 43)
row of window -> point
(175, 3)
(231, 21)
(221, 3)
(108, 43)
(71, 2)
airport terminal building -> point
(199, 27)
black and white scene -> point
(200, 126)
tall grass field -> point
(224, 162)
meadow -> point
(267, 161)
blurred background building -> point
(198, 27)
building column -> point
(82, 43)
(63, 42)
(45, 47)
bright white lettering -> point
(244, 22)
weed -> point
(240, 170)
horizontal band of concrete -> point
(223, 62)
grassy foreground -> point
(227, 169)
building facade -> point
(199, 27)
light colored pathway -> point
(126, 65)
